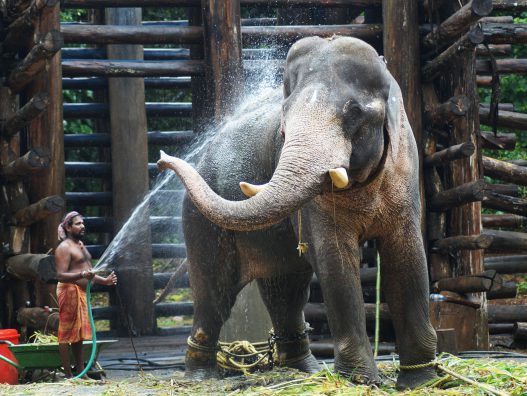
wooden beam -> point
(507, 241)
(503, 66)
(165, 138)
(96, 83)
(505, 203)
(39, 318)
(39, 211)
(468, 283)
(510, 5)
(462, 242)
(507, 313)
(127, 68)
(494, 49)
(447, 155)
(447, 111)
(130, 178)
(282, 35)
(500, 141)
(19, 31)
(101, 110)
(469, 192)
(35, 61)
(47, 131)
(506, 119)
(31, 110)
(131, 34)
(498, 33)
(33, 161)
(509, 264)
(457, 24)
(466, 43)
(508, 289)
(32, 267)
(520, 331)
(505, 171)
(504, 221)
(197, 3)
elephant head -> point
(341, 115)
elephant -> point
(333, 150)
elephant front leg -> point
(285, 297)
(404, 280)
(338, 273)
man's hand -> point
(110, 279)
(88, 274)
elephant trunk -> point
(305, 160)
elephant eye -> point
(351, 109)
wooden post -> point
(223, 55)
(460, 79)
(47, 132)
(130, 181)
(401, 50)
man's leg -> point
(77, 353)
(64, 351)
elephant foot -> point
(294, 352)
(200, 363)
(411, 379)
(360, 375)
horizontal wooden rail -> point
(165, 138)
(457, 196)
(506, 119)
(131, 34)
(197, 3)
(166, 54)
(129, 68)
(462, 242)
(506, 241)
(504, 221)
(500, 141)
(505, 171)
(503, 66)
(505, 203)
(94, 83)
(510, 5)
(101, 110)
(497, 33)
(449, 154)
(33, 161)
(161, 310)
(495, 49)
(507, 264)
(23, 116)
(159, 250)
(507, 313)
(283, 35)
(507, 290)
(39, 210)
(89, 198)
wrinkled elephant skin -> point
(340, 108)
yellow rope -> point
(439, 366)
(302, 246)
(243, 350)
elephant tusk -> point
(250, 190)
(339, 177)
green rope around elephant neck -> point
(94, 334)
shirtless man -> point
(74, 271)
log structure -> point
(205, 61)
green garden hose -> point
(94, 334)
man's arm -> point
(62, 265)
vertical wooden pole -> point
(47, 131)
(130, 181)
(460, 79)
(223, 55)
(401, 50)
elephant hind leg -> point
(285, 297)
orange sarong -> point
(74, 322)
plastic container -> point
(8, 372)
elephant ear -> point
(393, 116)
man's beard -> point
(78, 236)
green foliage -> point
(521, 289)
